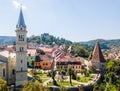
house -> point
(66, 62)
(43, 61)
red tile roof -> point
(32, 52)
(10, 48)
(71, 59)
(46, 50)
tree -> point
(32, 62)
(3, 85)
(40, 51)
(74, 75)
(80, 51)
(32, 86)
(70, 75)
(111, 79)
(53, 77)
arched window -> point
(13, 72)
(21, 68)
(4, 72)
(21, 61)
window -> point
(21, 61)
(21, 68)
(21, 38)
(13, 72)
(3, 72)
(82, 67)
(21, 49)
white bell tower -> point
(21, 51)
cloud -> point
(18, 4)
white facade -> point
(8, 66)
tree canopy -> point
(3, 85)
(111, 80)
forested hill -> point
(7, 40)
(46, 38)
(104, 44)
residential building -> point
(66, 62)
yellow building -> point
(8, 66)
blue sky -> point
(75, 20)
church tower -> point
(21, 50)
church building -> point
(8, 66)
(13, 65)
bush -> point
(78, 78)
(49, 74)
(87, 74)
(74, 75)
(3, 85)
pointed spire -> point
(97, 55)
(21, 22)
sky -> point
(75, 20)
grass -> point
(65, 83)
(38, 73)
(41, 74)
(43, 80)
(85, 79)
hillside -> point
(7, 40)
(104, 44)
(45, 38)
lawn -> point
(41, 74)
(65, 83)
(43, 80)
(85, 79)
